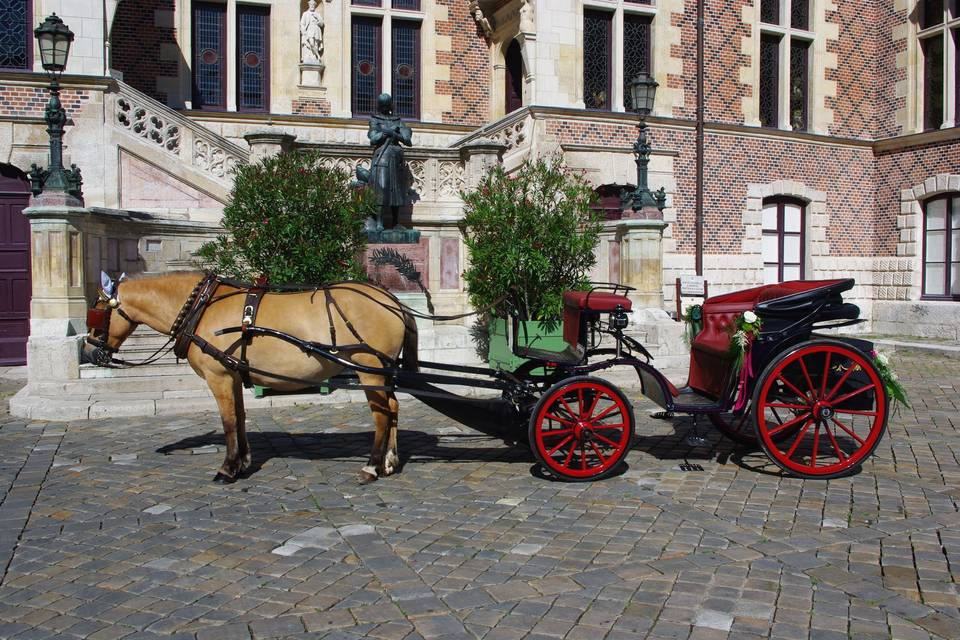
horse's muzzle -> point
(99, 356)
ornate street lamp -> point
(55, 39)
(643, 89)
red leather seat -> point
(575, 302)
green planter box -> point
(259, 392)
(539, 335)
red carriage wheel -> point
(821, 409)
(581, 429)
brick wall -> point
(138, 38)
(469, 63)
(31, 101)
(854, 107)
(887, 73)
(723, 35)
(311, 107)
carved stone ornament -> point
(528, 22)
(311, 35)
(482, 20)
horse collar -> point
(191, 312)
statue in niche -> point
(527, 22)
(388, 170)
(311, 35)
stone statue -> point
(311, 35)
(388, 170)
(482, 20)
(527, 22)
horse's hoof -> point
(222, 478)
(366, 478)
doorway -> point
(514, 77)
(15, 281)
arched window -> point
(783, 239)
(514, 80)
(941, 247)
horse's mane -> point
(148, 275)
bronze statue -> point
(388, 171)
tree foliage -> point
(293, 221)
(531, 236)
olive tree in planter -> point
(532, 236)
(291, 221)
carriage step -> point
(93, 372)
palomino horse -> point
(353, 312)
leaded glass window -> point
(253, 52)
(931, 13)
(941, 247)
(366, 3)
(783, 240)
(636, 51)
(932, 81)
(365, 62)
(800, 14)
(799, 58)
(769, 80)
(209, 71)
(597, 32)
(770, 11)
(411, 5)
(16, 42)
(406, 68)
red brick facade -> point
(469, 62)
(30, 102)
(311, 107)
(137, 44)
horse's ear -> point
(106, 283)
(123, 276)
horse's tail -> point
(409, 359)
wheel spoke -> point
(816, 441)
(856, 413)
(569, 457)
(557, 448)
(572, 413)
(799, 393)
(833, 440)
(848, 430)
(847, 396)
(606, 440)
(557, 432)
(843, 378)
(583, 457)
(796, 443)
(783, 405)
(619, 425)
(605, 413)
(558, 419)
(826, 369)
(787, 425)
(593, 405)
(806, 374)
(580, 401)
(603, 460)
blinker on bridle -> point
(98, 321)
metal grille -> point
(931, 13)
(208, 49)
(365, 60)
(638, 1)
(636, 51)
(252, 50)
(932, 81)
(406, 68)
(769, 80)
(770, 11)
(597, 27)
(799, 56)
(366, 3)
(15, 41)
(412, 5)
(800, 14)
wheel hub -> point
(823, 412)
(580, 429)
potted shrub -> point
(291, 221)
(531, 236)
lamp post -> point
(643, 89)
(55, 38)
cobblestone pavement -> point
(112, 529)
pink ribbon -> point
(746, 372)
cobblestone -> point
(112, 529)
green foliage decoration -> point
(531, 236)
(293, 221)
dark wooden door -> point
(514, 88)
(14, 268)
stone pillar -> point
(267, 143)
(641, 260)
(479, 157)
(58, 306)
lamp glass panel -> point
(46, 48)
(61, 49)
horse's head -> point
(109, 325)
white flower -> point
(749, 317)
(883, 359)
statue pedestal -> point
(641, 260)
(311, 74)
(386, 260)
(396, 235)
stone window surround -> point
(910, 223)
(820, 117)
(815, 221)
(618, 8)
(951, 110)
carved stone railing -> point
(140, 116)
(514, 132)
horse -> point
(361, 323)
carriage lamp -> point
(643, 90)
(55, 38)
(618, 319)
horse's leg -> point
(380, 407)
(391, 461)
(243, 446)
(228, 391)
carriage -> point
(816, 405)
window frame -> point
(608, 17)
(788, 36)
(948, 30)
(378, 20)
(224, 71)
(416, 27)
(949, 197)
(28, 33)
(781, 202)
(266, 9)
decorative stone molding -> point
(214, 160)
(910, 241)
(140, 121)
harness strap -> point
(192, 318)
(249, 317)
